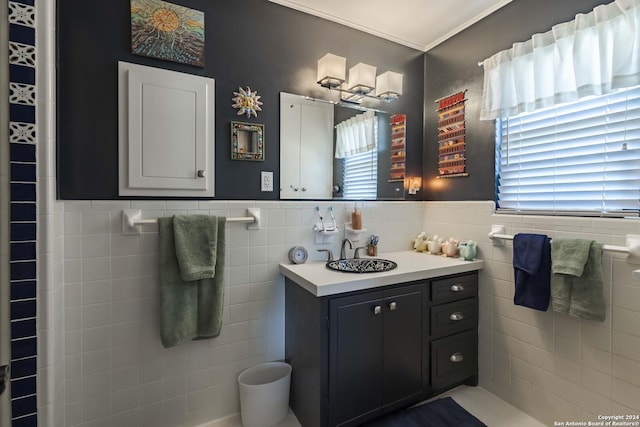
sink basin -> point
(362, 265)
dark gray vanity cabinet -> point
(454, 331)
(359, 355)
(375, 353)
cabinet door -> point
(402, 347)
(306, 148)
(166, 132)
(290, 113)
(355, 360)
(316, 151)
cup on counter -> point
(467, 250)
(372, 250)
(435, 246)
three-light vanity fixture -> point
(362, 82)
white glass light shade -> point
(362, 78)
(389, 85)
(331, 70)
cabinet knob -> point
(377, 309)
(294, 188)
(202, 173)
(457, 288)
(393, 305)
(456, 357)
(304, 188)
(456, 316)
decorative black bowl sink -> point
(361, 265)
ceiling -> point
(420, 24)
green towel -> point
(196, 241)
(587, 297)
(189, 309)
(569, 255)
(576, 280)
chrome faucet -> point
(343, 255)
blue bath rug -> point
(438, 413)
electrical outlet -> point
(266, 181)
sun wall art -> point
(247, 102)
(167, 31)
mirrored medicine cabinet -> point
(309, 168)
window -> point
(361, 176)
(581, 157)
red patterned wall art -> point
(451, 136)
(398, 147)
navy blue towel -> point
(532, 268)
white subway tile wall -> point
(118, 373)
(551, 365)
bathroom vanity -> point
(362, 345)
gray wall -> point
(272, 49)
(252, 43)
(453, 66)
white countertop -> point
(320, 281)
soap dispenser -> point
(356, 218)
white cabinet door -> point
(306, 148)
(316, 152)
(289, 149)
(166, 123)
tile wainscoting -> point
(117, 372)
(551, 365)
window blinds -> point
(361, 176)
(582, 157)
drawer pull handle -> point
(457, 288)
(457, 316)
(456, 357)
(377, 309)
(393, 305)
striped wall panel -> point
(23, 211)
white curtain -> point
(356, 135)
(594, 54)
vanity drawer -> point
(454, 317)
(454, 359)
(454, 288)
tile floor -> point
(491, 410)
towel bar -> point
(632, 249)
(132, 219)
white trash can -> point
(264, 394)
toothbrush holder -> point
(372, 250)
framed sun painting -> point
(167, 31)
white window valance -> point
(594, 54)
(356, 135)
